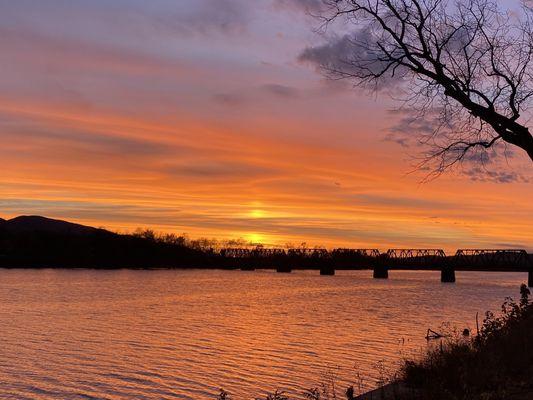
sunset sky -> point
(199, 116)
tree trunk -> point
(529, 147)
(523, 139)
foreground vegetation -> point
(495, 364)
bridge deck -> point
(346, 258)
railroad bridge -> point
(328, 261)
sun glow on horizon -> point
(257, 213)
(255, 238)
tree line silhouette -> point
(39, 242)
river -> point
(183, 334)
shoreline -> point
(494, 364)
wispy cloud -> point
(309, 6)
(342, 55)
(481, 174)
(281, 90)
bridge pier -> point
(530, 277)
(447, 274)
(381, 272)
(327, 270)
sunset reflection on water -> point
(125, 334)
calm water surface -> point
(85, 334)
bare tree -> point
(466, 62)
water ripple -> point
(184, 334)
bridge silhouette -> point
(328, 261)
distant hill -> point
(35, 223)
(35, 241)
